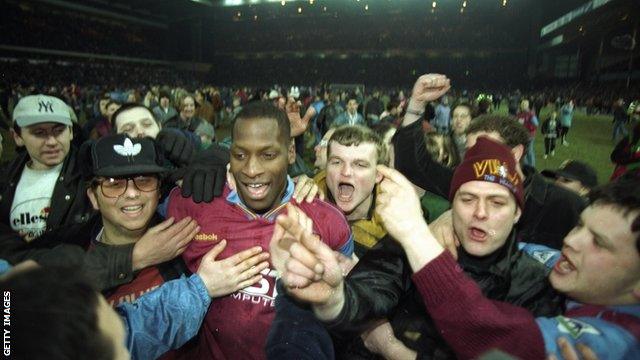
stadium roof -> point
(176, 10)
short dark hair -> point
(623, 193)
(354, 135)
(113, 102)
(507, 127)
(263, 110)
(472, 110)
(164, 94)
(129, 106)
(54, 316)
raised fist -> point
(429, 87)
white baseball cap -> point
(36, 109)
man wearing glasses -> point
(125, 190)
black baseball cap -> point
(118, 155)
(575, 170)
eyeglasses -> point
(116, 187)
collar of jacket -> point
(68, 174)
(366, 232)
(495, 279)
(535, 185)
(70, 169)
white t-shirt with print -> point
(32, 201)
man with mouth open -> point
(598, 269)
(349, 179)
(487, 197)
(549, 211)
(257, 190)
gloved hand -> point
(175, 146)
(204, 178)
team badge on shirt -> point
(575, 328)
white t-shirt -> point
(32, 201)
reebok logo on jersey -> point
(206, 237)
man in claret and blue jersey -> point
(257, 190)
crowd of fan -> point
(396, 32)
(233, 268)
(47, 27)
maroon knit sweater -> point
(469, 322)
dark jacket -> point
(549, 213)
(105, 266)
(178, 123)
(296, 333)
(627, 151)
(69, 202)
(380, 287)
(187, 128)
(414, 161)
(620, 114)
(550, 131)
(626, 156)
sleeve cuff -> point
(196, 281)
(440, 280)
(122, 263)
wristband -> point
(414, 112)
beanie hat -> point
(489, 161)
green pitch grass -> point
(589, 141)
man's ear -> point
(17, 138)
(92, 197)
(518, 152)
(291, 153)
(379, 177)
(231, 181)
(70, 133)
(518, 214)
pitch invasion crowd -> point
(131, 228)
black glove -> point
(176, 147)
(204, 178)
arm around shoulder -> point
(165, 318)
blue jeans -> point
(619, 129)
(530, 156)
